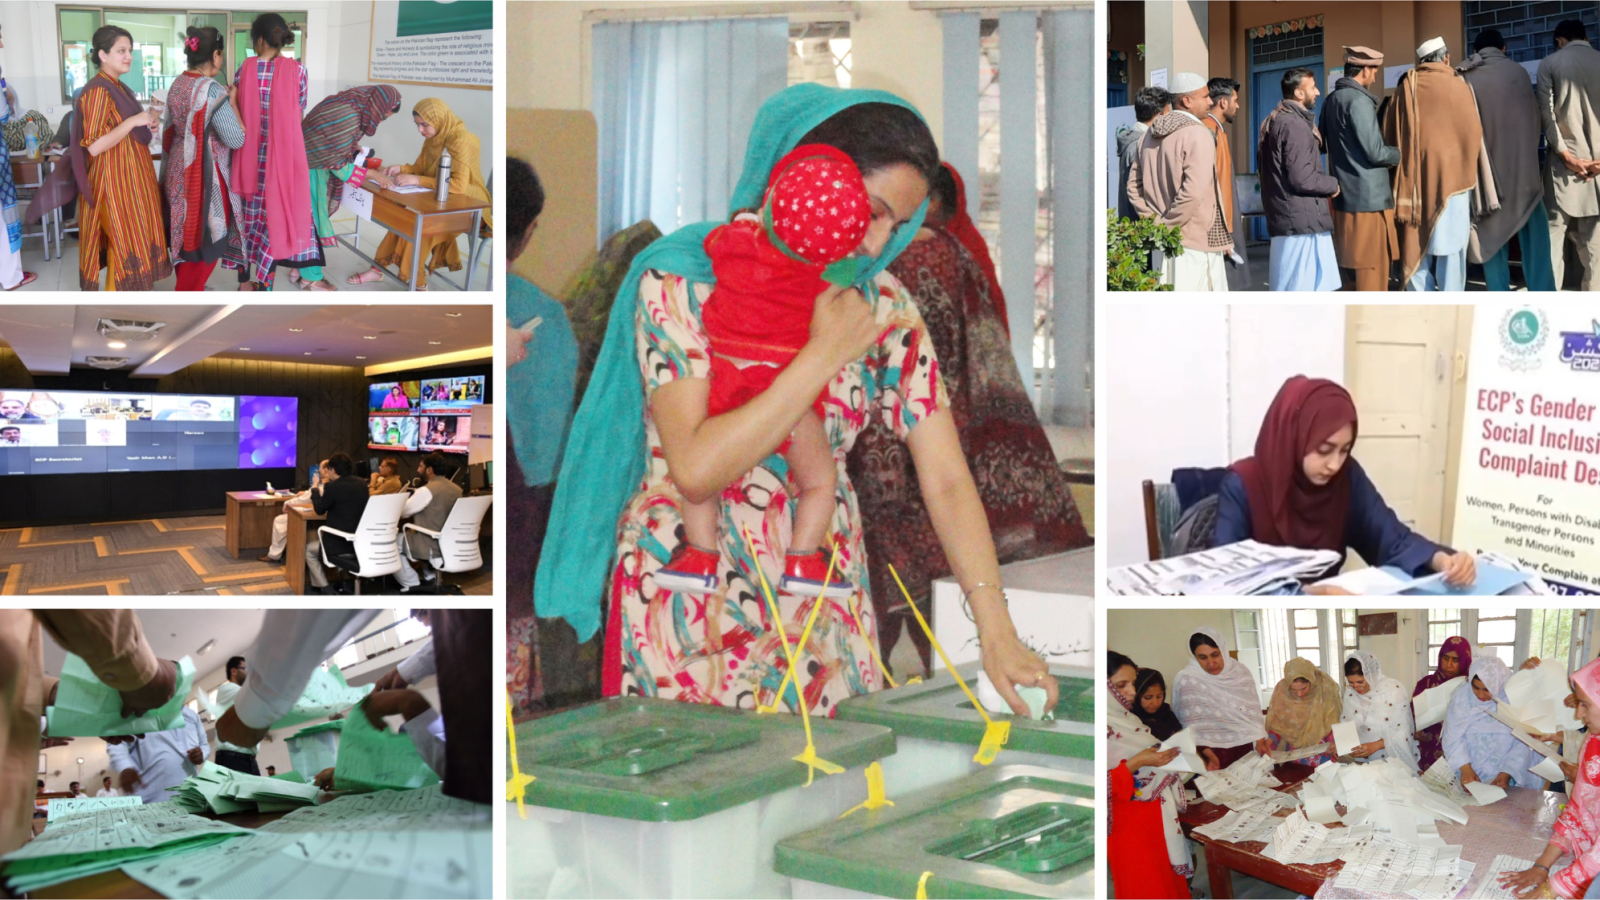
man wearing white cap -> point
(1174, 181)
(1568, 85)
(1433, 120)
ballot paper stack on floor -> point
(326, 694)
(86, 707)
(222, 791)
(1241, 568)
(105, 839)
(401, 844)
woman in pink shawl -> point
(1577, 831)
(270, 171)
(1455, 658)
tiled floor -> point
(62, 274)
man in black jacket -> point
(1363, 216)
(342, 498)
(1295, 191)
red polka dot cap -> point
(817, 205)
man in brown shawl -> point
(1433, 120)
(1509, 202)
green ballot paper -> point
(86, 707)
(374, 760)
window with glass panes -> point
(1442, 625)
(1349, 634)
(1277, 648)
(1550, 635)
(1247, 638)
(1306, 635)
(1497, 634)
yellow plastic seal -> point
(517, 787)
(875, 795)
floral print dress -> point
(722, 648)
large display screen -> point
(430, 414)
(68, 432)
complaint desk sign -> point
(1529, 484)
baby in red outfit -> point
(770, 265)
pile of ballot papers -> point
(86, 707)
(1246, 567)
(326, 694)
(1386, 794)
(1246, 786)
(219, 790)
(106, 839)
(400, 844)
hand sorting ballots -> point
(139, 701)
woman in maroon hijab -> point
(1302, 489)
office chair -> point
(458, 539)
(375, 549)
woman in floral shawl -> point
(1305, 706)
(1577, 831)
(1455, 658)
(1145, 846)
(199, 132)
(333, 131)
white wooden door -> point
(1399, 367)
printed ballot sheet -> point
(1387, 867)
(1300, 841)
(86, 707)
(1345, 737)
(1245, 567)
(1188, 759)
(62, 807)
(401, 844)
(1428, 707)
(1489, 888)
(106, 839)
(1241, 826)
(326, 693)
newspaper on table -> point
(1489, 888)
(402, 844)
(216, 789)
(1428, 707)
(1387, 867)
(87, 707)
(1300, 841)
(326, 694)
(106, 839)
(1239, 827)
(1246, 567)
(62, 807)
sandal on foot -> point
(27, 278)
(367, 277)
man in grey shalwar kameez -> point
(1509, 202)
(1568, 82)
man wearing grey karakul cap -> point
(1174, 181)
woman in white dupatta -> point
(1380, 707)
(1142, 811)
(1216, 696)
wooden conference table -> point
(249, 520)
(117, 884)
(1519, 825)
(414, 216)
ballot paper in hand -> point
(371, 759)
(1188, 759)
(87, 707)
(1485, 793)
(1345, 737)
(1537, 697)
(1549, 770)
(326, 693)
(1429, 706)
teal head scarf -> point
(606, 451)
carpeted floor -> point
(151, 556)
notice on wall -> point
(1529, 485)
(446, 43)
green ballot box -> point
(315, 748)
(937, 730)
(1008, 831)
(637, 797)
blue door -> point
(1266, 92)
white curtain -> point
(1062, 392)
(675, 102)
